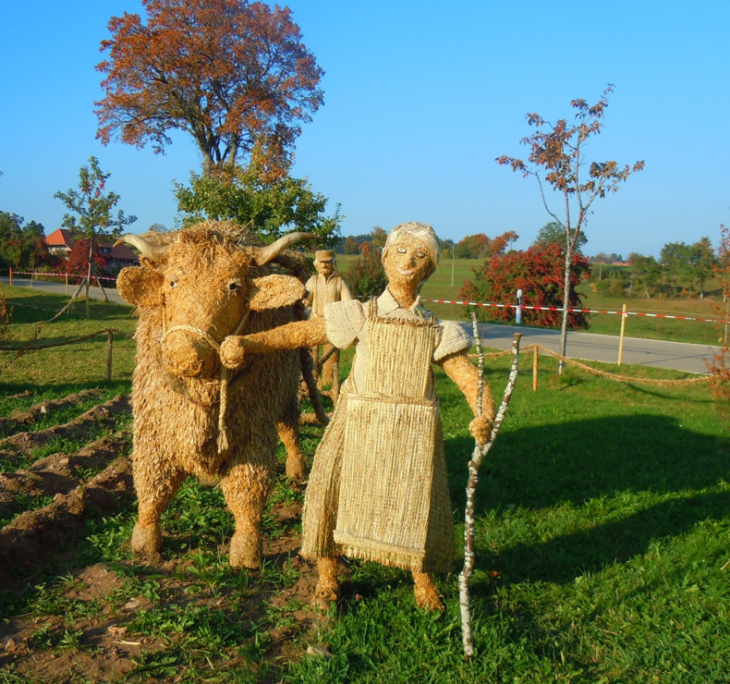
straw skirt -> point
(378, 488)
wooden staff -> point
(478, 456)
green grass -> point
(83, 364)
(603, 529)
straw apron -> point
(381, 492)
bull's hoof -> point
(295, 468)
(245, 551)
(147, 541)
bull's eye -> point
(173, 283)
(233, 287)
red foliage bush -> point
(366, 276)
(78, 260)
(538, 272)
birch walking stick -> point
(478, 456)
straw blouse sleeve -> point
(454, 339)
(344, 321)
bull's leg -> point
(245, 488)
(425, 592)
(288, 428)
(289, 434)
(155, 490)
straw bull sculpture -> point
(191, 416)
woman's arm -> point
(286, 337)
(466, 378)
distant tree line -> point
(22, 245)
(682, 270)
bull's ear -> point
(140, 286)
(273, 291)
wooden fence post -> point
(534, 368)
(11, 277)
(109, 345)
(67, 284)
(621, 339)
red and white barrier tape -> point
(560, 308)
(60, 275)
(484, 304)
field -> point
(602, 542)
(439, 287)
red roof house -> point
(60, 242)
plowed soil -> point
(73, 620)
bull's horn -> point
(263, 255)
(152, 252)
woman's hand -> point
(480, 428)
(232, 351)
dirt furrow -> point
(58, 473)
(27, 541)
(31, 415)
(103, 414)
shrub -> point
(366, 276)
(538, 272)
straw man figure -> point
(325, 287)
(378, 487)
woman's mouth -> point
(405, 271)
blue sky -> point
(420, 97)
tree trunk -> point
(566, 305)
(88, 269)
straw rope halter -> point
(225, 376)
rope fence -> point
(21, 349)
(536, 349)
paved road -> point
(680, 356)
(60, 288)
(689, 358)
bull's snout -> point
(189, 355)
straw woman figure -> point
(378, 487)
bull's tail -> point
(315, 397)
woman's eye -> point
(420, 255)
(402, 250)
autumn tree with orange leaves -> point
(557, 157)
(232, 74)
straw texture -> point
(179, 391)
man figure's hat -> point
(324, 255)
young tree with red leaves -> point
(77, 262)
(557, 157)
(234, 75)
(92, 209)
